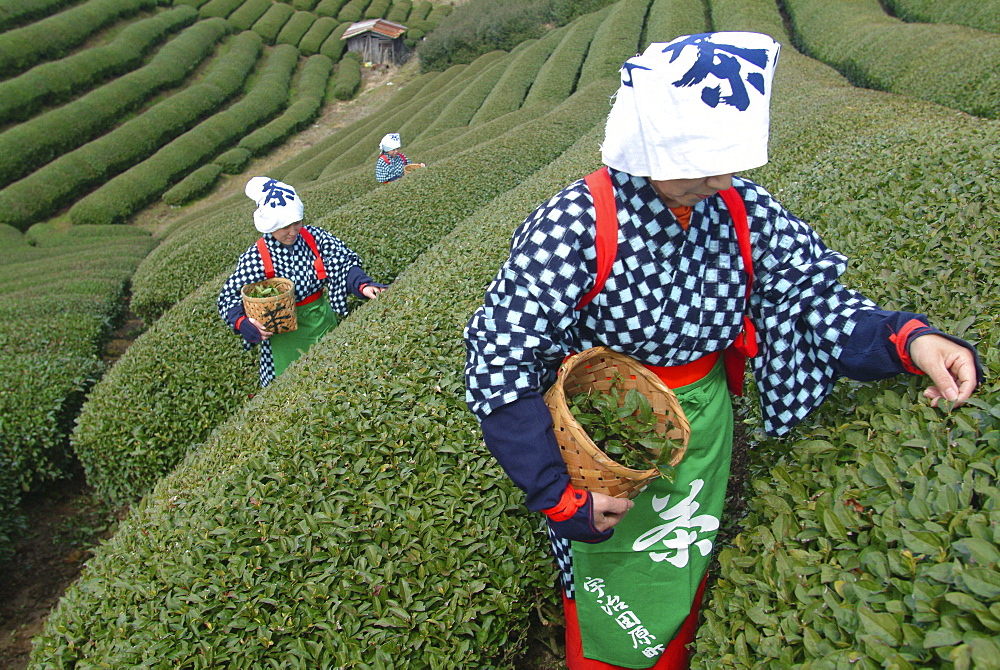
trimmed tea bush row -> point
(558, 76)
(25, 147)
(76, 172)
(347, 80)
(53, 83)
(56, 35)
(984, 14)
(195, 185)
(303, 110)
(295, 28)
(329, 8)
(462, 107)
(14, 13)
(219, 8)
(615, 40)
(508, 94)
(377, 9)
(318, 32)
(274, 19)
(669, 18)
(248, 13)
(950, 65)
(400, 11)
(353, 11)
(422, 211)
(333, 47)
(135, 188)
(62, 296)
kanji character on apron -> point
(689, 115)
(315, 261)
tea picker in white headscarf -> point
(689, 116)
(391, 162)
(311, 258)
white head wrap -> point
(278, 205)
(390, 142)
(694, 107)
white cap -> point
(278, 205)
(697, 106)
(390, 142)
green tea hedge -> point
(19, 12)
(615, 40)
(981, 14)
(63, 293)
(56, 35)
(333, 46)
(28, 146)
(517, 78)
(195, 185)
(318, 32)
(55, 82)
(77, 172)
(270, 24)
(248, 13)
(132, 190)
(305, 106)
(295, 29)
(329, 8)
(347, 80)
(219, 8)
(558, 76)
(950, 65)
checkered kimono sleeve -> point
(804, 316)
(516, 340)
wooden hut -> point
(377, 40)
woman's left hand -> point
(950, 366)
(371, 291)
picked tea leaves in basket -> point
(618, 426)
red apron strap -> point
(265, 257)
(606, 240)
(318, 263)
(745, 345)
(385, 158)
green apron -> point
(314, 321)
(634, 591)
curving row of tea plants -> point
(349, 516)
(107, 129)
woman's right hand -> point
(264, 332)
(608, 511)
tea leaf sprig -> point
(622, 425)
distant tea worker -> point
(391, 163)
(312, 258)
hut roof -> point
(380, 26)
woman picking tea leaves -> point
(706, 267)
(311, 258)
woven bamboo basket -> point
(407, 169)
(590, 468)
(276, 313)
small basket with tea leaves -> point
(272, 302)
(618, 426)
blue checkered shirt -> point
(391, 169)
(673, 295)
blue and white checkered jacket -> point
(673, 295)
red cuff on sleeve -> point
(572, 499)
(901, 340)
(236, 326)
